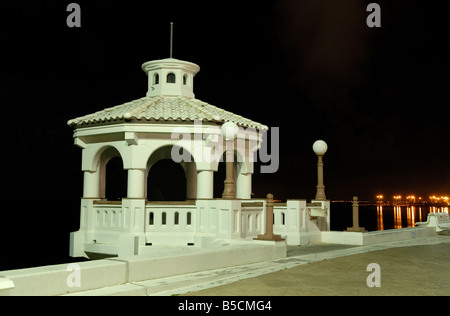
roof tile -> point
(165, 109)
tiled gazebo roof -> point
(165, 108)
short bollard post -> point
(355, 227)
(269, 222)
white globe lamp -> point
(320, 148)
(229, 130)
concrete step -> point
(191, 282)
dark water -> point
(373, 217)
(37, 234)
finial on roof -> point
(171, 38)
(170, 76)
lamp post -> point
(320, 148)
(355, 227)
(269, 235)
(229, 131)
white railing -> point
(109, 217)
(300, 222)
(170, 217)
(279, 218)
(196, 222)
(170, 223)
(252, 218)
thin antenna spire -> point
(171, 38)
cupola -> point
(170, 77)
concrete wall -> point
(165, 261)
(57, 279)
(376, 237)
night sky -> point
(377, 96)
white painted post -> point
(244, 186)
(205, 184)
(91, 185)
(136, 183)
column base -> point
(356, 229)
(228, 197)
(269, 238)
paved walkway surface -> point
(420, 266)
(415, 267)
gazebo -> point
(169, 123)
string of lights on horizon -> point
(414, 199)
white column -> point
(205, 184)
(136, 184)
(91, 185)
(244, 186)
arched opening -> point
(151, 219)
(166, 181)
(189, 218)
(156, 79)
(171, 78)
(112, 177)
(115, 180)
(185, 78)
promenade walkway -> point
(416, 267)
(419, 266)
